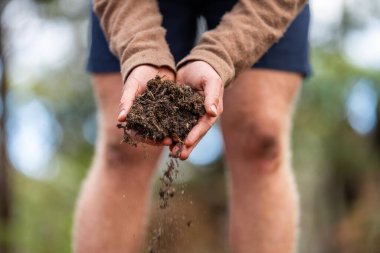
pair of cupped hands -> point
(201, 77)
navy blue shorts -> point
(290, 53)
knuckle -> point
(216, 100)
(204, 79)
(209, 124)
(122, 104)
(191, 140)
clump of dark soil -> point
(164, 109)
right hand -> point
(136, 84)
(202, 78)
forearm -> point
(244, 35)
(134, 33)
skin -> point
(256, 126)
(136, 84)
(201, 77)
(112, 208)
(114, 200)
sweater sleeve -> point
(134, 33)
(244, 35)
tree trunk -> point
(4, 165)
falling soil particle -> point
(167, 190)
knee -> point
(116, 154)
(259, 144)
(262, 146)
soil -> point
(167, 190)
(164, 109)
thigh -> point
(257, 113)
(100, 59)
(107, 89)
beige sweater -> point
(135, 35)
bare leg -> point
(256, 125)
(113, 205)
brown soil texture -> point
(164, 109)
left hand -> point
(136, 84)
(201, 77)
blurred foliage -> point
(337, 169)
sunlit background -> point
(48, 130)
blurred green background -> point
(48, 127)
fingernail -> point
(121, 114)
(214, 110)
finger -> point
(187, 151)
(199, 130)
(197, 133)
(212, 89)
(129, 94)
(184, 152)
(176, 149)
(139, 139)
(167, 141)
(151, 142)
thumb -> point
(126, 101)
(212, 90)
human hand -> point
(201, 77)
(136, 84)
